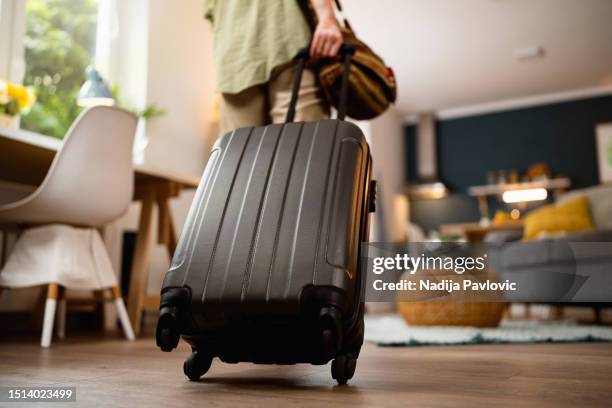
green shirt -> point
(252, 37)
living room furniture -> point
(63, 257)
(430, 313)
(476, 232)
(89, 183)
(575, 267)
(25, 158)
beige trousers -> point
(268, 103)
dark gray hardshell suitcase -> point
(267, 266)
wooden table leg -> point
(140, 263)
(167, 233)
(149, 195)
(163, 224)
(172, 240)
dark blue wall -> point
(561, 135)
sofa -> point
(573, 268)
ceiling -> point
(454, 53)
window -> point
(59, 43)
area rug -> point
(393, 331)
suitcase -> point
(267, 268)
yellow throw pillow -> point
(570, 216)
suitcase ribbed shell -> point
(278, 208)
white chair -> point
(89, 184)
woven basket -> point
(439, 308)
(477, 314)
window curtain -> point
(12, 31)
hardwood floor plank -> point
(112, 372)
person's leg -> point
(310, 106)
(244, 109)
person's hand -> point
(327, 39)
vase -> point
(141, 141)
(9, 121)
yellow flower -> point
(24, 96)
(27, 99)
(13, 90)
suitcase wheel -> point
(196, 365)
(330, 321)
(343, 368)
(167, 334)
(166, 339)
(329, 343)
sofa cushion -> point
(568, 216)
(600, 203)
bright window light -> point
(520, 196)
(58, 44)
(95, 101)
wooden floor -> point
(112, 372)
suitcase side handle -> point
(346, 51)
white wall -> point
(386, 138)
(179, 80)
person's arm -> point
(327, 37)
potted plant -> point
(141, 141)
(15, 100)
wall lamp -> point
(521, 196)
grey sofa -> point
(574, 268)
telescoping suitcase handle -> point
(346, 51)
